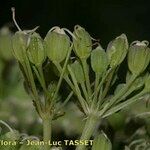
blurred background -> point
(104, 20)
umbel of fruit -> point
(82, 42)
(117, 50)
(57, 44)
(138, 57)
(36, 50)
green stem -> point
(122, 91)
(31, 80)
(61, 75)
(97, 78)
(108, 83)
(85, 91)
(78, 92)
(65, 77)
(88, 130)
(42, 82)
(125, 95)
(29, 75)
(125, 104)
(65, 101)
(47, 132)
(101, 83)
(5, 124)
(85, 69)
(75, 88)
(100, 88)
(40, 70)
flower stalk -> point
(47, 124)
(88, 130)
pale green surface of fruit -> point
(99, 61)
(36, 50)
(117, 50)
(82, 42)
(57, 44)
(138, 57)
(19, 45)
(78, 71)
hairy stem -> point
(85, 91)
(47, 132)
(85, 69)
(122, 91)
(78, 92)
(125, 103)
(97, 78)
(88, 130)
(108, 83)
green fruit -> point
(78, 71)
(19, 45)
(101, 142)
(117, 50)
(82, 43)
(138, 57)
(99, 61)
(36, 50)
(57, 45)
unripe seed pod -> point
(117, 50)
(78, 71)
(36, 50)
(19, 45)
(99, 60)
(57, 44)
(138, 57)
(101, 142)
(82, 43)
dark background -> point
(104, 19)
